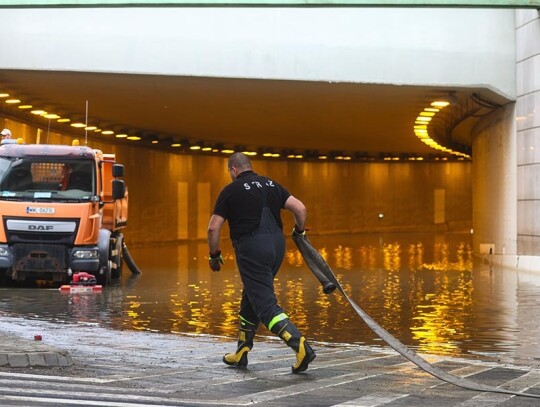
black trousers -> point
(259, 256)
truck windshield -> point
(31, 178)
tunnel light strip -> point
(420, 128)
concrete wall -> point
(528, 131)
(468, 47)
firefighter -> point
(251, 204)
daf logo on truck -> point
(41, 227)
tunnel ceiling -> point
(299, 115)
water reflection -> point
(424, 289)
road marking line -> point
(102, 399)
(79, 402)
(470, 370)
(372, 400)
(54, 378)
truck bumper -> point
(85, 265)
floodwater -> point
(425, 289)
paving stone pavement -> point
(104, 367)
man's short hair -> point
(240, 161)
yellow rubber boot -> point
(287, 331)
(245, 344)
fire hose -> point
(326, 277)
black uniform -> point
(252, 204)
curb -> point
(19, 352)
(30, 359)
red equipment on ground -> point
(82, 283)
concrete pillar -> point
(528, 131)
(494, 183)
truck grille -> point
(40, 258)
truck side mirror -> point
(118, 170)
(118, 188)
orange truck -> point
(63, 209)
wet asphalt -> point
(46, 363)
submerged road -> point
(104, 367)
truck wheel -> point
(117, 256)
(103, 275)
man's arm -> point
(214, 230)
(298, 210)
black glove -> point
(298, 232)
(215, 260)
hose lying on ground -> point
(319, 267)
(129, 260)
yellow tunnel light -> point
(195, 148)
(155, 141)
(107, 132)
(173, 144)
(133, 138)
(51, 116)
(323, 157)
(207, 149)
(64, 120)
(121, 135)
(423, 119)
(25, 106)
(440, 103)
(431, 109)
(78, 125)
(227, 151)
(427, 114)
(90, 128)
(38, 112)
(13, 101)
(4, 95)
